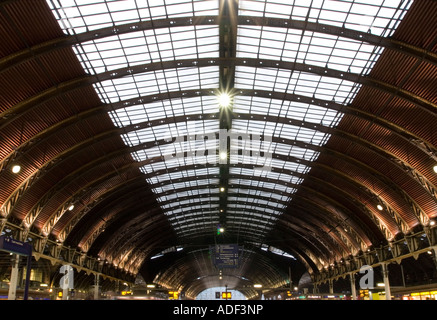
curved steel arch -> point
(129, 246)
(125, 242)
(400, 163)
(349, 239)
(305, 145)
(320, 208)
(328, 244)
(118, 192)
(427, 147)
(315, 255)
(380, 149)
(122, 207)
(265, 179)
(59, 212)
(384, 181)
(343, 176)
(67, 41)
(133, 127)
(24, 106)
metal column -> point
(14, 278)
(331, 286)
(386, 281)
(96, 288)
(353, 286)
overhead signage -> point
(21, 248)
(225, 255)
(11, 245)
(227, 295)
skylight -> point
(180, 135)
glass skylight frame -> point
(303, 46)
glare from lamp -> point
(224, 100)
(70, 208)
(435, 168)
(223, 155)
(379, 207)
(222, 189)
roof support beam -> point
(228, 51)
(119, 192)
(67, 41)
(22, 107)
(307, 146)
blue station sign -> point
(11, 245)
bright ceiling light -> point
(379, 207)
(224, 100)
(222, 189)
(257, 285)
(223, 155)
(16, 168)
(70, 208)
(435, 168)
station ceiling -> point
(306, 131)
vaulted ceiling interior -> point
(131, 161)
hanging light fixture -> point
(224, 100)
(16, 168)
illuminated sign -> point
(227, 295)
(173, 295)
(225, 255)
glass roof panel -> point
(83, 15)
(374, 16)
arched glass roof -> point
(143, 129)
(240, 167)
